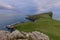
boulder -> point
(25, 34)
(17, 35)
(40, 36)
(32, 37)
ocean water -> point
(10, 18)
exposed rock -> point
(9, 26)
(40, 36)
(22, 39)
(25, 34)
(35, 35)
(17, 35)
(12, 25)
(32, 37)
(4, 35)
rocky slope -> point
(17, 35)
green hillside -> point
(43, 23)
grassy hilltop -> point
(43, 23)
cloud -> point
(47, 5)
(22, 5)
(6, 6)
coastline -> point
(32, 18)
(12, 26)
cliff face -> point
(38, 16)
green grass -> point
(44, 24)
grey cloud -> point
(6, 6)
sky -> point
(30, 6)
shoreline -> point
(12, 26)
(32, 18)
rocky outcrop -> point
(35, 35)
(4, 35)
(17, 35)
(38, 36)
(12, 25)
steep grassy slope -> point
(44, 24)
